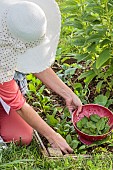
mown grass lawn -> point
(29, 158)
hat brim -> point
(39, 58)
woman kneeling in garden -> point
(29, 36)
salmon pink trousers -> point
(12, 126)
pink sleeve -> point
(10, 93)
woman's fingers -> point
(60, 142)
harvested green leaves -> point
(94, 125)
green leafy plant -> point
(91, 37)
(94, 125)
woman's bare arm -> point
(50, 79)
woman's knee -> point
(19, 139)
(14, 128)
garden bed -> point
(53, 153)
(47, 151)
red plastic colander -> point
(88, 110)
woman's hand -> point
(57, 141)
(73, 103)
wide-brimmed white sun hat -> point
(29, 35)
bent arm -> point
(50, 79)
(36, 122)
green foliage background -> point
(87, 38)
